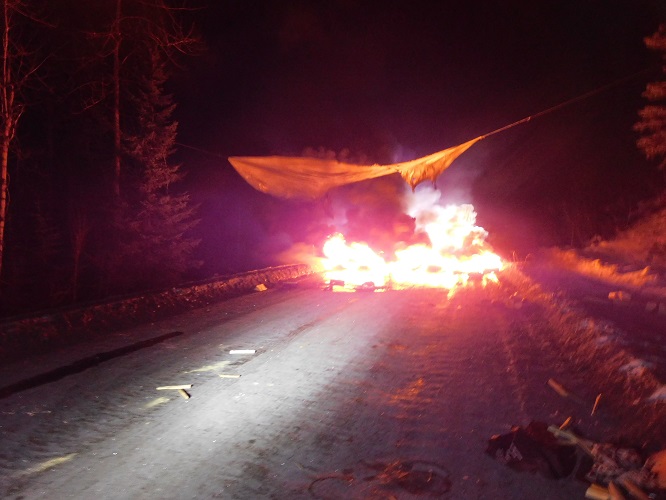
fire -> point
(354, 264)
(456, 255)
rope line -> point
(581, 97)
(573, 100)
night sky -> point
(395, 80)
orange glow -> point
(456, 256)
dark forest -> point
(115, 178)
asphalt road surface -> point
(347, 395)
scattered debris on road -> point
(597, 492)
(556, 453)
(333, 283)
(180, 388)
(533, 449)
(596, 404)
(565, 393)
(368, 286)
(174, 387)
(384, 480)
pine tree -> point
(652, 124)
(156, 248)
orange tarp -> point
(310, 178)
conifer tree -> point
(652, 123)
(156, 248)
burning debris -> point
(454, 252)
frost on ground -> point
(636, 367)
(659, 394)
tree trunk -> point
(4, 189)
(8, 111)
(117, 35)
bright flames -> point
(456, 255)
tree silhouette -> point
(18, 67)
(155, 221)
(652, 123)
(136, 47)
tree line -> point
(90, 203)
(91, 199)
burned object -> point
(557, 453)
(533, 449)
(333, 283)
(368, 286)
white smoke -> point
(449, 227)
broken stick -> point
(571, 439)
(634, 490)
(184, 393)
(174, 387)
(596, 404)
(559, 388)
(596, 492)
(565, 424)
(614, 491)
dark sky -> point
(395, 80)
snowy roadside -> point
(43, 333)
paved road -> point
(345, 392)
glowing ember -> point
(456, 255)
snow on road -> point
(345, 392)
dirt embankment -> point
(44, 331)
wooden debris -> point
(597, 492)
(570, 438)
(333, 283)
(228, 375)
(184, 393)
(174, 387)
(614, 491)
(260, 287)
(596, 404)
(656, 463)
(565, 424)
(242, 351)
(634, 490)
(559, 388)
